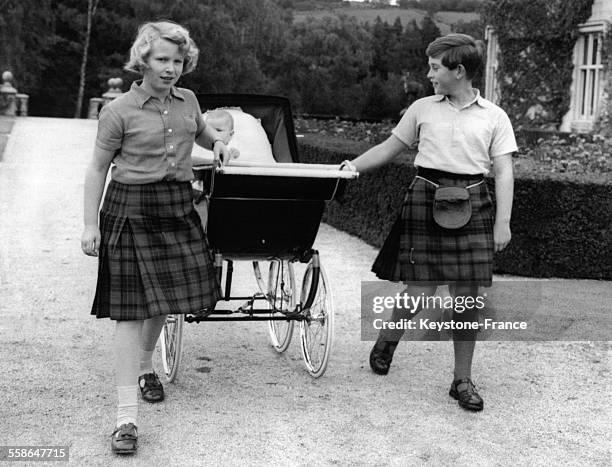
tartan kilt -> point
(418, 250)
(154, 257)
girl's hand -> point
(221, 152)
(90, 240)
(501, 235)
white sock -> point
(127, 405)
(146, 361)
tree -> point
(92, 6)
(381, 45)
(26, 35)
(429, 31)
(324, 64)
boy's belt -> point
(433, 176)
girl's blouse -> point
(153, 140)
(456, 140)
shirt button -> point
(165, 112)
(172, 165)
(169, 130)
(171, 147)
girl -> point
(459, 134)
(153, 255)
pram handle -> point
(283, 169)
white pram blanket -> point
(249, 139)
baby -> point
(223, 122)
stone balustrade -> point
(96, 103)
(12, 103)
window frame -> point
(588, 79)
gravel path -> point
(238, 402)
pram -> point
(268, 215)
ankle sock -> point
(127, 405)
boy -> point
(459, 134)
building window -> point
(588, 76)
(492, 64)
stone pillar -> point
(8, 95)
(22, 103)
(114, 90)
(95, 104)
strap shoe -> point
(151, 388)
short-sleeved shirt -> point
(462, 141)
(153, 140)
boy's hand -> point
(90, 240)
(501, 235)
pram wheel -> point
(171, 340)
(280, 290)
(316, 330)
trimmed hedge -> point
(560, 227)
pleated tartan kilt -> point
(418, 250)
(154, 257)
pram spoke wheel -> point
(171, 340)
(280, 290)
(316, 330)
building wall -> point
(602, 9)
(601, 17)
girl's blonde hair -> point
(150, 32)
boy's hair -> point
(458, 49)
(150, 32)
(220, 114)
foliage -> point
(324, 64)
(572, 154)
(26, 36)
(433, 6)
(474, 28)
(556, 155)
(331, 65)
(536, 39)
(603, 125)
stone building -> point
(592, 76)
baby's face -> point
(223, 126)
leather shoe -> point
(380, 358)
(124, 439)
(467, 397)
(151, 388)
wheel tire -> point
(171, 340)
(317, 329)
(279, 297)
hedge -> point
(560, 227)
